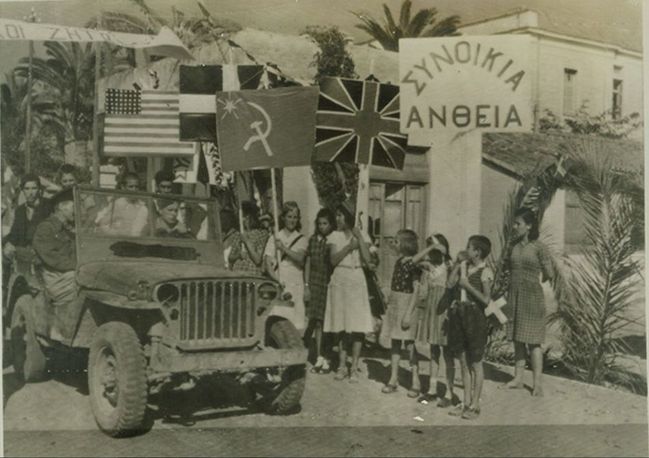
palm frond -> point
(404, 16)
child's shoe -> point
(325, 369)
(471, 414)
(443, 403)
(458, 411)
(317, 367)
(341, 373)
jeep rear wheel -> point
(286, 396)
(117, 380)
(28, 359)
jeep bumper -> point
(228, 361)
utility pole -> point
(28, 115)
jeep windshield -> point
(141, 225)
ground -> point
(335, 418)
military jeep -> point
(156, 308)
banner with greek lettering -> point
(165, 43)
(465, 83)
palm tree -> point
(423, 24)
(68, 73)
(13, 106)
(602, 278)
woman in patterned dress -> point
(317, 270)
(529, 265)
(248, 248)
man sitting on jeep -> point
(124, 216)
(167, 223)
(54, 243)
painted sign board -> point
(452, 84)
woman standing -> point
(248, 248)
(292, 246)
(530, 264)
(348, 304)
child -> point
(317, 270)
(402, 291)
(468, 333)
(432, 328)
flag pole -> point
(95, 126)
(273, 186)
(28, 115)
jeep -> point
(155, 309)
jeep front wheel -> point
(117, 380)
(287, 394)
(28, 359)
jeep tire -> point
(287, 395)
(117, 380)
(28, 359)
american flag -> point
(358, 121)
(142, 123)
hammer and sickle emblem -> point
(260, 136)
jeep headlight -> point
(267, 291)
(167, 293)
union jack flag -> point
(358, 121)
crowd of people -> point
(436, 302)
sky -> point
(617, 21)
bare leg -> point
(466, 379)
(357, 345)
(415, 387)
(435, 351)
(318, 337)
(478, 379)
(537, 369)
(395, 357)
(519, 368)
(341, 373)
(450, 372)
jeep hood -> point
(121, 276)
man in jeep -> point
(54, 243)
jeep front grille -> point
(216, 313)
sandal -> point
(471, 414)
(458, 411)
(387, 389)
(413, 393)
(341, 373)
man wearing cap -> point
(54, 243)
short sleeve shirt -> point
(404, 275)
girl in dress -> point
(432, 327)
(317, 270)
(248, 251)
(348, 304)
(530, 264)
(292, 246)
(397, 320)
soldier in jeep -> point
(54, 243)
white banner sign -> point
(465, 83)
(165, 43)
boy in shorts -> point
(467, 321)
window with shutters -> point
(569, 91)
(616, 106)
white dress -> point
(290, 274)
(348, 303)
